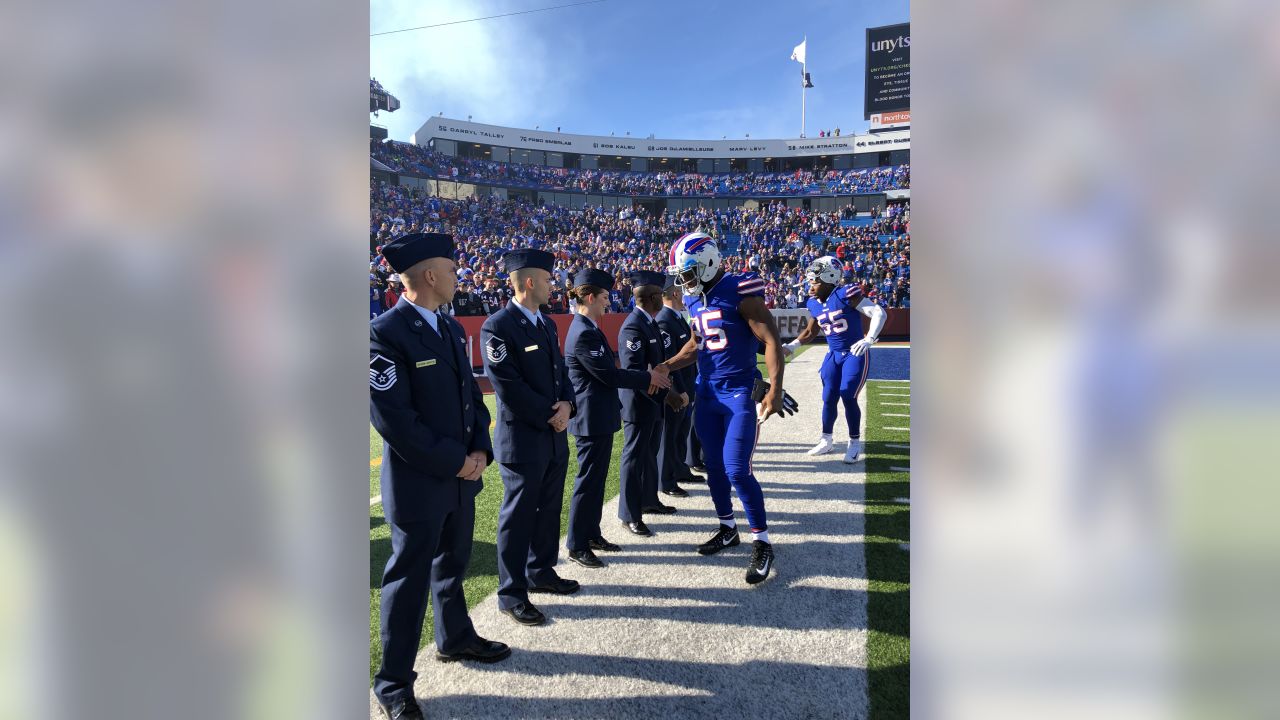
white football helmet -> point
(824, 269)
(695, 260)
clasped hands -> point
(560, 420)
(473, 466)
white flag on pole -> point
(798, 53)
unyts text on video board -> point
(888, 81)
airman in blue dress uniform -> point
(435, 429)
(535, 402)
(596, 379)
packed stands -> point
(772, 239)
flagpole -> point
(803, 67)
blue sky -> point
(697, 69)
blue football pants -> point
(726, 426)
(843, 375)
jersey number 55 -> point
(709, 332)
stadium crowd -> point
(412, 158)
(772, 239)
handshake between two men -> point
(660, 379)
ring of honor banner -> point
(888, 82)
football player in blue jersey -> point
(730, 322)
(844, 371)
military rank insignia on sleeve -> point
(633, 345)
(666, 340)
(496, 350)
(382, 373)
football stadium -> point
(598, 237)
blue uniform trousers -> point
(587, 503)
(674, 447)
(432, 556)
(639, 477)
(529, 527)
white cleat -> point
(855, 449)
(823, 447)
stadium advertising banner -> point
(888, 81)
(885, 121)
(462, 131)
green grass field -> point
(888, 526)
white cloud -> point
(489, 69)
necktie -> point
(443, 326)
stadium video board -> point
(888, 80)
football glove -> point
(861, 347)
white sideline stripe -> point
(895, 428)
(885, 394)
(894, 415)
(898, 447)
(895, 468)
(375, 500)
(901, 404)
(881, 380)
(904, 501)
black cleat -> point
(725, 537)
(658, 509)
(676, 492)
(761, 562)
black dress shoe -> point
(561, 586)
(658, 509)
(526, 614)
(602, 544)
(485, 651)
(638, 528)
(676, 492)
(402, 710)
(585, 558)
(699, 469)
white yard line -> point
(898, 404)
(897, 447)
(895, 415)
(378, 498)
(898, 428)
(895, 468)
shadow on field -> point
(759, 688)
(810, 608)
